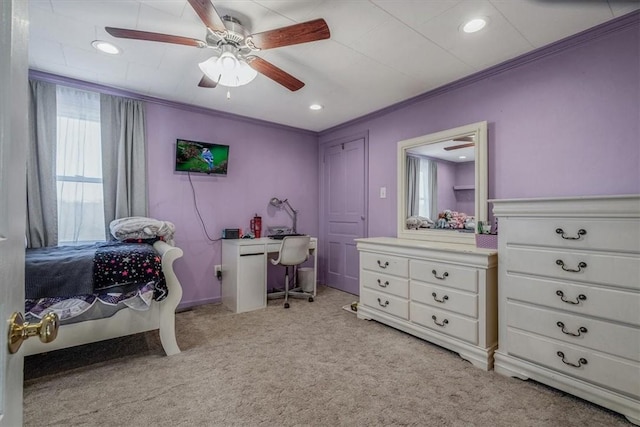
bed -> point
(95, 300)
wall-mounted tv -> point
(201, 157)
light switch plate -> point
(383, 192)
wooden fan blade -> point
(207, 82)
(464, 139)
(154, 37)
(274, 73)
(294, 34)
(208, 14)
(456, 147)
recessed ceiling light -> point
(474, 25)
(315, 107)
(462, 157)
(105, 47)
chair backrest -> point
(294, 250)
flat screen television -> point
(201, 157)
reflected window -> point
(422, 177)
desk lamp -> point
(294, 213)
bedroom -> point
(542, 119)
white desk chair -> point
(294, 250)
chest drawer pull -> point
(383, 285)
(386, 303)
(581, 330)
(581, 265)
(435, 274)
(581, 233)
(581, 297)
(435, 320)
(581, 361)
(444, 298)
(381, 265)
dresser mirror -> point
(442, 185)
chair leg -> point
(286, 287)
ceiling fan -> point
(468, 142)
(233, 63)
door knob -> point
(19, 330)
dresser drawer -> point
(445, 298)
(384, 264)
(384, 283)
(608, 371)
(445, 275)
(607, 337)
(608, 304)
(445, 322)
(617, 235)
(613, 270)
(386, 303)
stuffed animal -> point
(417, 222)
(442, 221)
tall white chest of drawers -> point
(569, 296)
(445, 294)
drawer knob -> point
(581, 233)
(435, 320)
(581, 361)
(581, 265)
(435, 274)
(381, 265)
(581, 330)
(444, 298)
(381, 304)
(383, 285)
(580, 298)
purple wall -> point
(565, 124)
(264, 161)
(446, 181)
(465, 199)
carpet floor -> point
(314, 364)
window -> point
(79, 167)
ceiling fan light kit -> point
(233, 63)
(237, 73)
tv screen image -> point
(201, 157)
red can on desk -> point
(256, 226)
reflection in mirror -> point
(442, 185)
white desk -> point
(244, 271)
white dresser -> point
(569, 296)
(442, 293)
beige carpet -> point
(313, 364)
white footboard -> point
(161, 315)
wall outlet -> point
(218, 271)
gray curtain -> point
(42, 204)
(413, 185)
(429, 170)
(124, 168)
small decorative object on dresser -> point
(569, 296)
(442, 293)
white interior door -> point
(13, 136)
(344, 218)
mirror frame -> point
(479, 130)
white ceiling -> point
(380, 52)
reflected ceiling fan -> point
(468, 140)
(233, 63)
